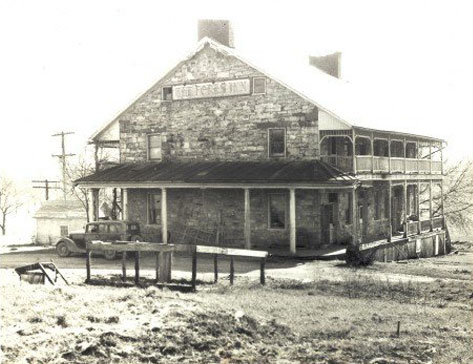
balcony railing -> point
(377, 164)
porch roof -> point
(223, 172)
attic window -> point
(259, 85)
(167, 93)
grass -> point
(350, 320)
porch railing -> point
(345, 163)
(412, 228)
(425, 225)
(437, 222)
(368, 163)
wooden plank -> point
(204, 249)
(215, 268)
(87, 265)
(165, 267)
(232, 271)
(125, 203)
(194, 269)
(121, 246)
(137, 267)
(124, 266)
(46, 274)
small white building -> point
(57, 218)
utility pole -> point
(63, 157)
(47, 186)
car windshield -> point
(133, 227)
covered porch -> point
(290, 206)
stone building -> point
(263, 159)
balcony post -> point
(353, 150)
(372, 152)
(405, 155)
(441, 204)
(430, 155)
(124, 204)
(417, 155)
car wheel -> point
(110, 254)
(62, 250)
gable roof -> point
(58, 209)
(336, 97)
(254, 172)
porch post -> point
(406, 197)
(354, 219)
(418, 207)
(247, 219)
(390, 232)
(430, 205)
(441, 203)
(389, 153)
(292, 220)
(405, 154)
(164, 216)
(124, 204)
(94, 204)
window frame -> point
(280, 155)
(148, 211)
(162, 93)
(284, 196)
(64, 228)
(253, 85)
(148, 146)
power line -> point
(46, 186)
(63, 157)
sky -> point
(73, 65)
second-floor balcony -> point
(381, 153)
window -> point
(154, 147)
(93, 228)
(277, 211)
(167, 93)
(64, 230)
(332, 197)
(277, 142)
(154, 208)
(103, 228)
(114, 228)
(259, 85)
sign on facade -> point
(211, 89)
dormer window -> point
(259, 85)
(167, 93)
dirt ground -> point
(308, 312)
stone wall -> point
(192, 212)
(218, 128)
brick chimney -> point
(219, 30)
(331, 63)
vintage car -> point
(109, 231)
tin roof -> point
(60, 209)
(256, 172)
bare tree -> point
(81, 166)
(10, 200)
(457, 195)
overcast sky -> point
(73, 65)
